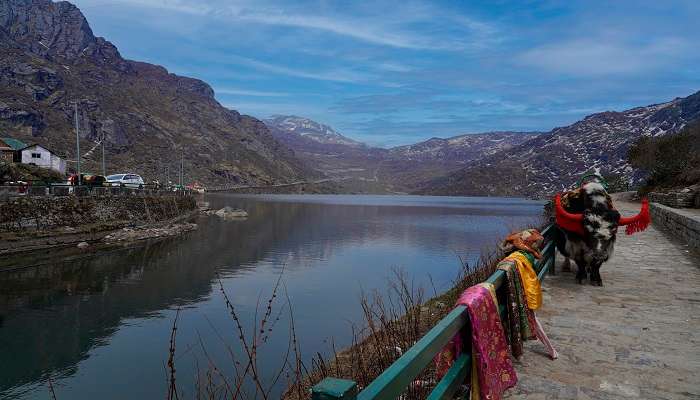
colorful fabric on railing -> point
(529, 279)
(492, 368)
(524, 292)
(519, 316)
(529, 241)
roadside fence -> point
(10, 191)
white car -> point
(127, 180)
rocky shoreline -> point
(34, 223)
(226, 212)
(89, 237)
(142, 232)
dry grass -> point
(247, 381)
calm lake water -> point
(99, 324)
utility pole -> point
(77, 141)
(104, 170)
(182, 168)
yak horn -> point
(563, 213)
(639, 222)
(566, 220)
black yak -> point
(588, 225)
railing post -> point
(334, 388)
(553, 270)
(554, 236)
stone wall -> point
(676, 199)
(684, 224)
(48, 212)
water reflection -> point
(97, 322)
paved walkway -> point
(637, 337)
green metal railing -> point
(396, 379)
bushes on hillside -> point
(671, 161)
(12, 172)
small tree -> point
(671, 161)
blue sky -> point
(391, 73)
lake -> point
(99, 324)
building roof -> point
(14, 143)
(38, 145)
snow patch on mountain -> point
(310, 129)
(462, 148)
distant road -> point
(279, 185)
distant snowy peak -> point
(309, 129)
(463, 148)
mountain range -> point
(151, 121)
(532, 164)
(399, 169)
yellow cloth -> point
(528, 276)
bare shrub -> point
(247, 380)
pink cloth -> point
(494, 367)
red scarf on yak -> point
(574, 222)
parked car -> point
(127, 180)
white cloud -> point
(589, 57)
(182, 6)
(338, 75)
(380, 29)
(253, 93)
(356, 29)
(394, 67)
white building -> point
(42, 157)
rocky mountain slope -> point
(556, 160)
(148, 117)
